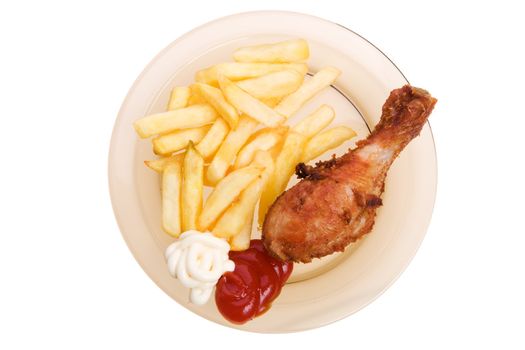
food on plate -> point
(248, 104)
(171, 184)
(229, 131)
(281, 52)
(335, 202)
(177, 140)
(179, 97)
(249, 290)
(216, 99)
(272, 85)
(326, 141)
(293, 102)
(198, 260)
(192, 186)
(229, 148)
(285, 163)
(239, 71)
(182, 118)
(225, 193)
(262, 140)
(240, 212)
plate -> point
(330, 288)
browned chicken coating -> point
(335, 202)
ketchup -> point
(249, 290)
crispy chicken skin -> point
(334, 204)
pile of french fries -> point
(228, 131)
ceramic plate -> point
(330, 288)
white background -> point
(68, 280)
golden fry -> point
(272, 85)
(171, 183)
(192, 185)
(326, 141)
(225, 193)
(229, 148)
(213, 139)
(179, 97)
(315, 122)
(216, 99)
(284, 51)
(293, 102)
(183, 118)
(175, 141)
(239, 71)
(249, 105)
(159, 164)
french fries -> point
(226, 131)
(239, 213)
(315, 122)
(285, 163)
(216, 99)
(175, 141)
(192, 185)
(171, 183)
(284, 51)
(183, 118)
(239, 71)
(272, 85)
(179, 97)
(248, 104)
(326, 141)
(225, 193)
(213, 139)
(229, 148)
(293, 102)
(263, 140)
(159, 164)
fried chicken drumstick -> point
(335, 202)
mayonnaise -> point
(198, 260)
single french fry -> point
(263, 140)
(213, 139)
(326, 141)
(159, 164)
(315, 122)
(183, 118)
(241, 241)
(216, 99)
(293, 102)
(284, 51)
(179, 97)
(272, 85)
(239, 71)
(265, 160)
(226, 191)
(192, 185)
(285, 163)
(175, 141)
(229, 148)
(171, 183)
(240, 212)
(249, 105)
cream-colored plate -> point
(328, 289)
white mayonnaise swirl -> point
(198, 260)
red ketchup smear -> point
(249, 290)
